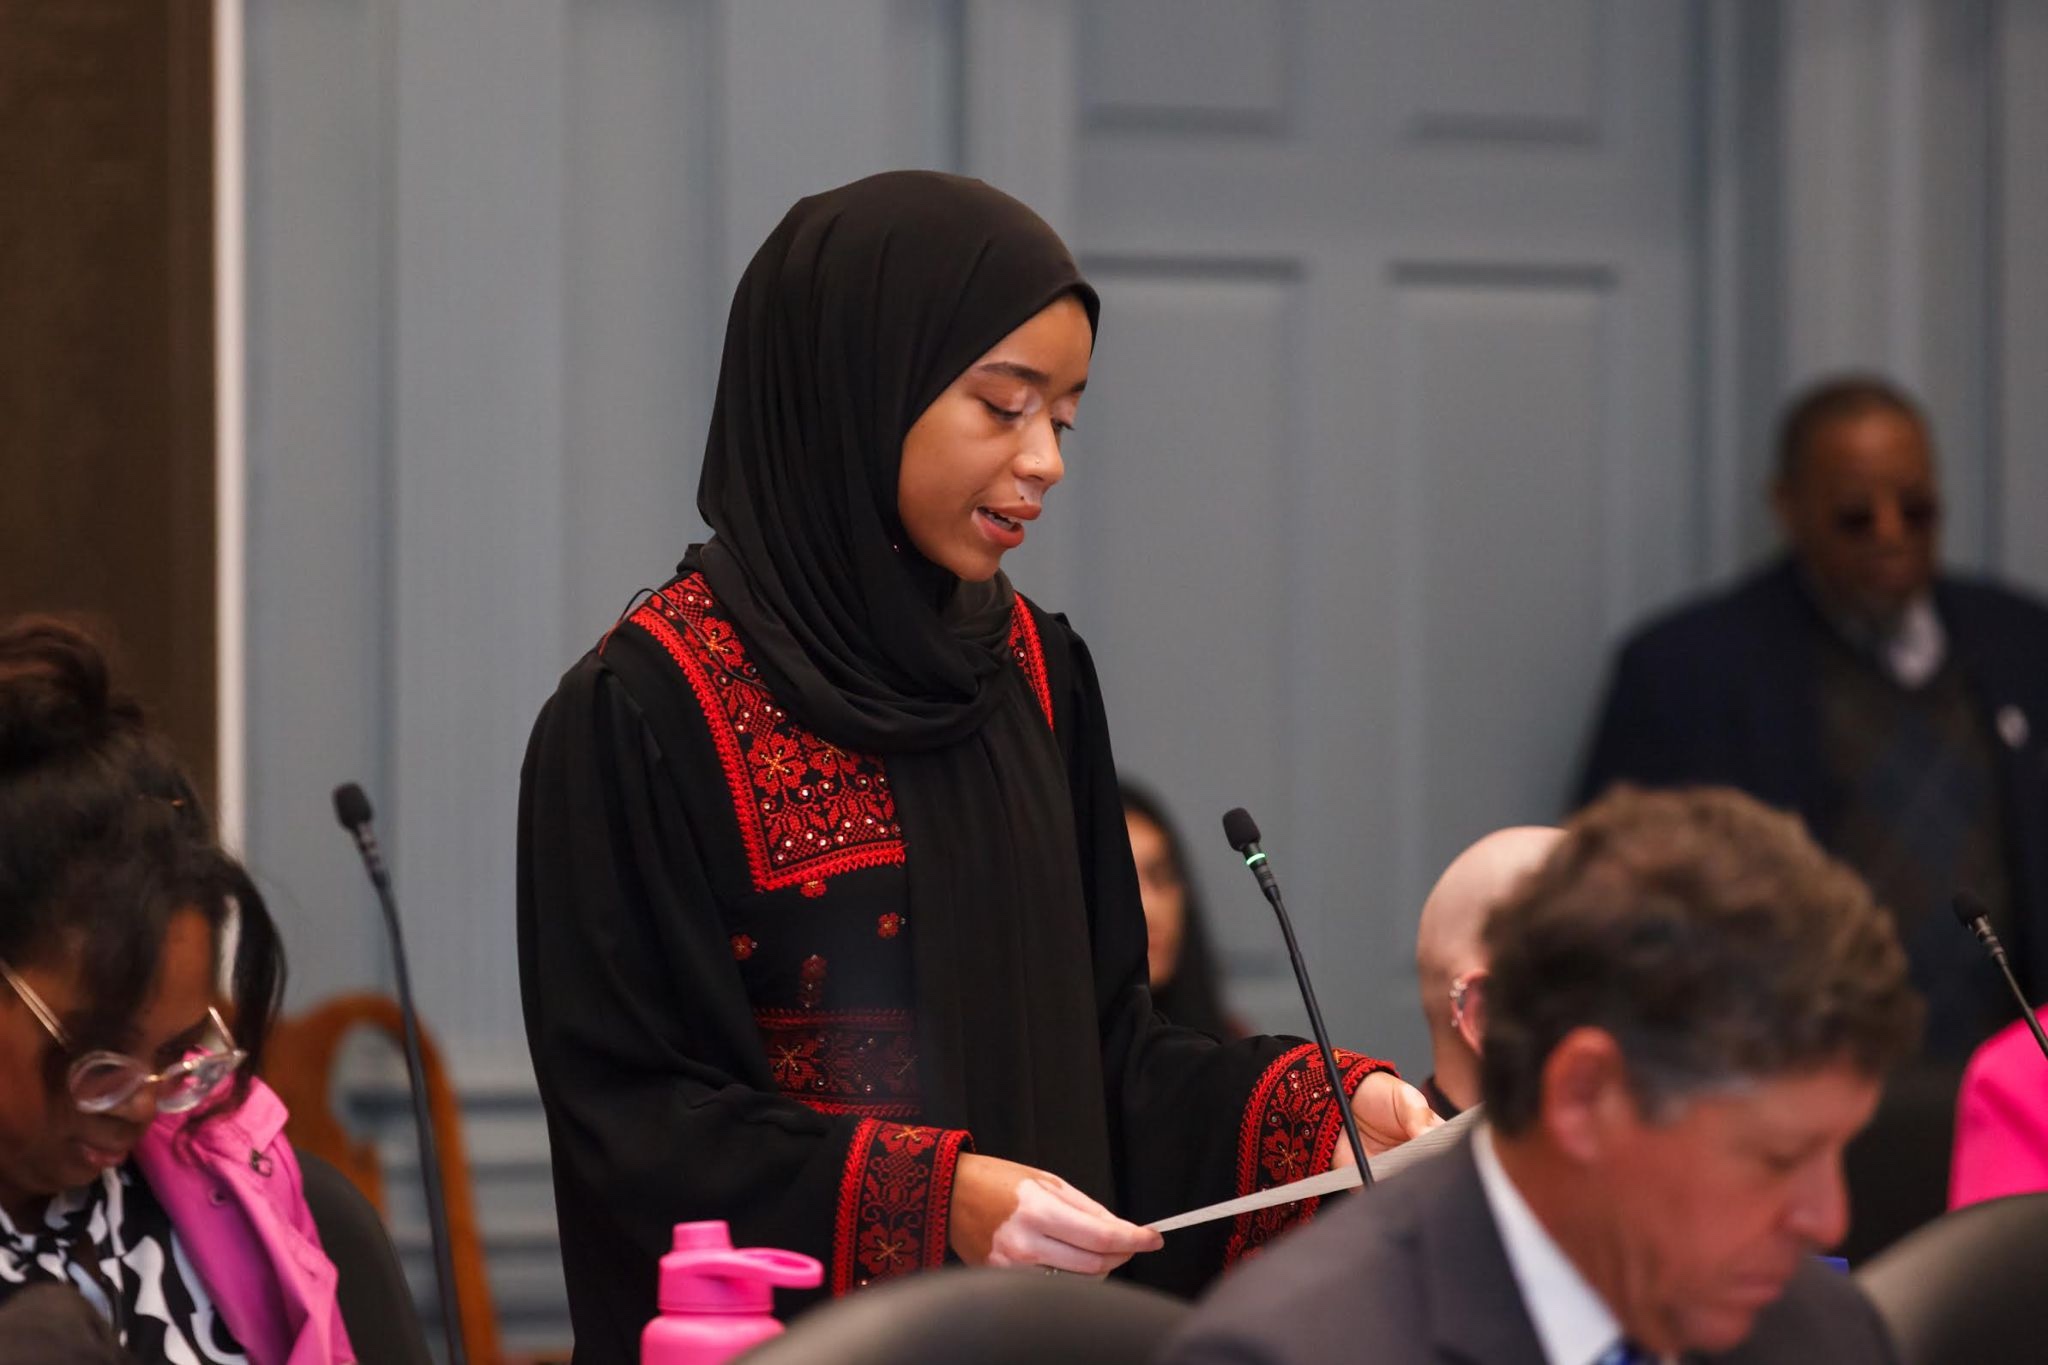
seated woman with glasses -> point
(143, 1168)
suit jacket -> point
(1416, 1272)
(1725, 691)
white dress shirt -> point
(1573, 1323)
(1910, 649)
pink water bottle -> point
(715, 1301)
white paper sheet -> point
(1387, 1163)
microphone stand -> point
(353, 809)
(1977, 919)
(1243, 833)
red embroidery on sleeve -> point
(1029, 653)
(1291, 1130)
(894, 1202)
(807, 809)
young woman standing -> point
(828, 920)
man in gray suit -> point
(1690, 1011)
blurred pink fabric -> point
(234, 1193)
(2002, 1119)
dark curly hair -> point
(103, 841)
(1709, 935)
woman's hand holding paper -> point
(1389, 1112)
(1007, 1214)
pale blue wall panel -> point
(1477, 69)
(319, 647)
(1505, 456)
(642, 316)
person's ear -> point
(1586, 1102)
(1471, 1014)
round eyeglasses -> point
(101, 1082)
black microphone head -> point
(351, 807)
(1969, 908)
(1240, 828)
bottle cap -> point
(704, 1274)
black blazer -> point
(1724, 691)
(1415, 1271)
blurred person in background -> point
(1902, 711)
(1450, 955)
(143, 1168)
(1185, 984)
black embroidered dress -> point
(716, 952)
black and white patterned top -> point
(113, 1243)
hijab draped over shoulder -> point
(859, 310)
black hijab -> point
(859, 310)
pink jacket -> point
(2002, 1119)
(234, 1195)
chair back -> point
(1967, 1286)
(992, 1317)
(299, 1065)
(1898, 1166)
(376, 1303)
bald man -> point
(1450, 960)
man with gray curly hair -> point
(1691, 1009)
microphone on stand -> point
(352, 807)
(1971, 911)
(1243, 833)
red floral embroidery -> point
(794, 1064)
(886, 1249)
(807, 809)
(889, 925)
(720, 643)
(909, 1141)
(844, 1061)
(893, 1202)
(743, 946)
(778, 764)
(1291, 1130)
(1029, 653)
(812, 976)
